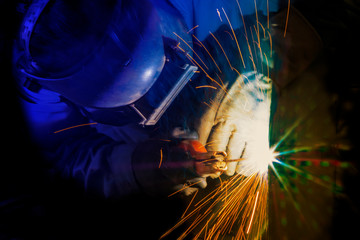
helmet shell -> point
(111, 64)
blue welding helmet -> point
(118, 60)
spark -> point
(80, 125)
(192, 29)
(242, 16)
(222, 49)
(161, 157)
(201, 44)
(218, 12)
(206, 86)
(190, 203)
(252, 215)
(267, 64)
(191, 49)
(270, 40)
(251, 55)
(210, 106)
(287, 18)
(229, 35)
(178, 46)
(257, 21)
(227, 208)
(264, 31)
(238, 204)
(237, 43)
(206, 74)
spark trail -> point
(237, 207)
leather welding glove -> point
(162, 168)
(238, 123)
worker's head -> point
(102, 54)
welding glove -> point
(162, 168)
(238, 123)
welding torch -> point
(206, 162)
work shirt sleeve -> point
(73, 146)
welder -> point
(106, 91)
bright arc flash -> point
(267, 158)
(258, 163)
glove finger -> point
(244, 166)
(235, 150)
(219, 136)
(252, 160)
(203, 127)
(200, 182)
(189, 191)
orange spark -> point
(193, 29)
(287, 18)
(232, 30)
(228, 206)
(206, 86)
(257, 21)
(80, 125)
(222, 49)
(270, 39)
(251, 56)
(178, 46)
(242, 17)
(191, 49)
(267, 64)
(165, 140)
(252, 215)
(263, 28)
(229, 35)
(207, 52)
(161, 157)
(206, 74)
(196, 63)
(218, 12)
(190, 203)
(210, 106)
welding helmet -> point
(119, 60)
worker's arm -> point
(99, 163)
(107, 160)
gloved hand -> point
(238, 123)
(162, 168)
